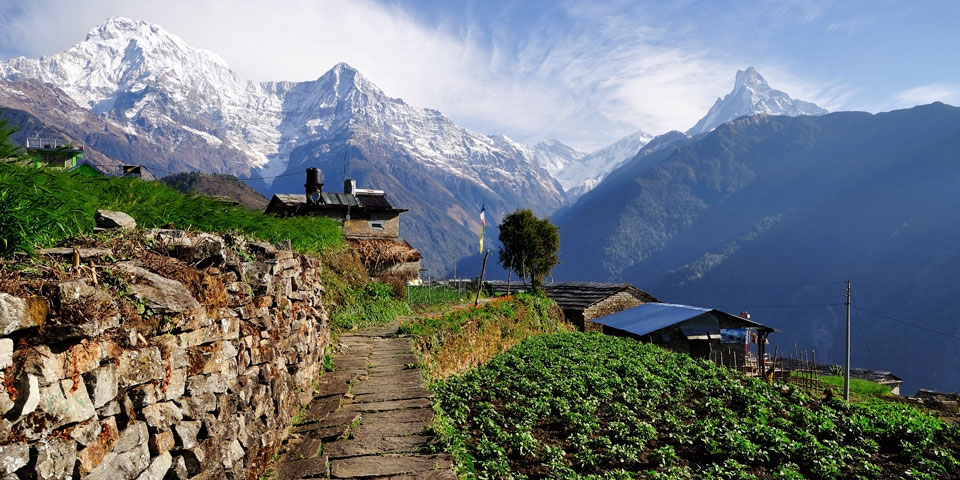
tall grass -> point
(430, 295)
(39, 207)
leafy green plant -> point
(576, 405)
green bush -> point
(39, 207)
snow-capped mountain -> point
(554, 156)
(581, 176)
(187, 106)
(752, 95)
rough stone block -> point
(171, 349)
(6, 403)
(13, 456)
(162, 295)
(28, 396)
(6, 352)
(102, 384)
(193, 407)
(126, 465)
(18, 313)
(257, 275)
(66, 403)
(145, 394)
(86, 433)
(185, 434)
(160, 416)
(110, 409)
(161, 442)
(158, 467)
(177, 384)
(81, 358)
(93, 454)
(211, 383)
(131, 437)
(55, 458)
(217, 357)
(233, 453)
(44, 364)
(138, 366)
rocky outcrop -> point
(187, 359)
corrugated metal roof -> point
(650, 317)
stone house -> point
(582, 302)
(371, 224)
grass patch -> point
(462, 338)
(40, 207)
(575, 405)
(426, 297)
(862, 388)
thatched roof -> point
(377, 252)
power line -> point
(864, 337)
(908, 295)
(921, 327)
(785, 306)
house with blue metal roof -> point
(700, 332)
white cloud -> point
(588, 83)
(923, 94)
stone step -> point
(387, 465)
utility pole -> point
(846, 373)
(454, 258)
(483, 270)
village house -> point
(581, 302)
(371, 224)
(699, 332)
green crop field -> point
(577, 405)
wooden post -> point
(483, 271)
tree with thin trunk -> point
(529, 246)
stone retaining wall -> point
(182, 356)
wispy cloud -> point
(586, 76)
(934, 92)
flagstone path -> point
(370, 419)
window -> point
(378, 225)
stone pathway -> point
(370, 418)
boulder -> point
(110, 219)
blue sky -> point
(585, 73)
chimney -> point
(349, 185)
(314, 185)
